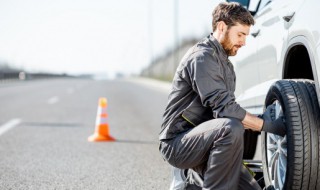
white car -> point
(280, 65)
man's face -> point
(234, 38)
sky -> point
(96, 36)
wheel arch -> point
(299, 50)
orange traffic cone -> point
(101, 132)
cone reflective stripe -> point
(101, 132)
(101, 121)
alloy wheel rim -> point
(277, 154)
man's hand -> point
(277, 126)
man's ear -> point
(221, 26)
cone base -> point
(97, 137)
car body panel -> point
(280, 25)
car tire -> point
(250, 143)
(292, 161)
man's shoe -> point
(179, 179)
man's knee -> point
(234, 129)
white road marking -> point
(9, 125)
(53, 100)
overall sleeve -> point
(208, 80)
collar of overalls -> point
(221, 52)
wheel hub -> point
(277, 154)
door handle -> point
(255, 33)
(288, 17)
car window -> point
(243, 2)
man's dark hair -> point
(231, 14)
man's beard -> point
(228, 47)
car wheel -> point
(250, 143)
(292, 161)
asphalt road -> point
(44, 126)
